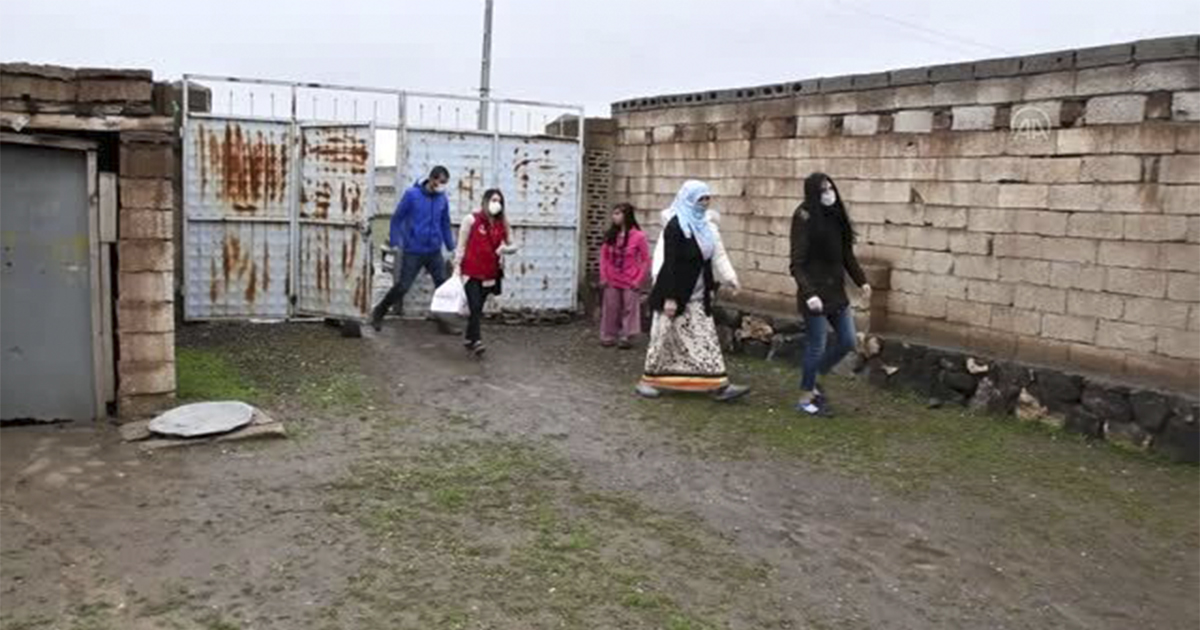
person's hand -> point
(815, 305)
(670, 307)
(866, 293)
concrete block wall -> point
(1044, 209)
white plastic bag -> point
(450, 298)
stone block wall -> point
(1044, 209)
(137, 140)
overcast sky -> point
(591, 52)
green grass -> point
(206, 374)
(512, 526)
(896, 441)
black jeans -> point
(410, 266)
(476, 295)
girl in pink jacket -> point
(624, 261)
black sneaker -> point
(475, 347)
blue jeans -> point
(410, 266)
(819, 355)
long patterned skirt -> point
(684, 353)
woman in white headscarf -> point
(684, 353)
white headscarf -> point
(692, 216)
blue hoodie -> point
(421, 222)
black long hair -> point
(812, 203)
(628, 222)
(487, 198)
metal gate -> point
(278, 206)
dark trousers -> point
(410, 266)
(476, 295)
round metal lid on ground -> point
(206, 418)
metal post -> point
(485, 72)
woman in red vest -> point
(483, 238)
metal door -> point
(46, 303)
(337, 197)
(238, 199)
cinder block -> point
(952, 72)
(914, 96)
(1180, 257)
(992, 91)
(134, 407)
(1150, 312)
(1141, 198)
(1165, 48)
(1150, 137)
(1130, 254)
(977, 267)
(927, 306)
(1017, 246)
(1055, 170)
(1012, 320)
(146, 224)
(956, 93)
(119, 91)
(1179, 169)
(883, 100)
(1094, 225)
(1048, 62)
(1020, 270)
(1044, 299)
(1136, 282)
(1069, 250)
(1004, 169)
(1075, 197)
(1024, 196)
(990, 220)
(146, 193)
(1084, 141)
(1183, 287)
(1102, 305)
(861, 125)
(928, 238)
(932, 262)
(663, 134)
(1069, 328)
(970, 313)
(1049, 86)
(813, 126)
(1103, 55)
(990, 292)
(1030, 119)
(1004, 67)
(155, 317)
(1183, 74)
(913, 121)
(1114, 168)
(942, 217)
(1127, 336)
(945, 286)
(147, 160)
(141, 347)
(135, 378)
(1179, 344)
(1077, 276)
(1105, 80)
(970, 243)
(973, 118)
(1185, 106)
(145, 286)
(1115, 110)
(145, 255)
(1040, 222)
(38, 89)
(909, 76)
(1156, 227)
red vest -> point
(481, 260)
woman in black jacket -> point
(822, 252)
(684, 353)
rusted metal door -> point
(337, 197)
(238, 199)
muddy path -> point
(730, 516)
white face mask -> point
(495, 207)
(828, 198)
(439, 188)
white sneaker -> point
(646, 391)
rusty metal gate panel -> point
(238, 187)
(336, 198)
(540, 180)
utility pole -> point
(485, 72)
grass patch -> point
(893, 439)
(206, 374)
(487, 534)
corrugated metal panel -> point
(237, 195)
(237, 169)
(541, 276)
(468, 156)
(336, 198)
(236, 269)
(539, 177)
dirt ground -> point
(422, 488)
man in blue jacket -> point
(421, 226)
